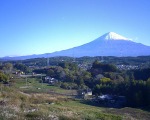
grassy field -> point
(32, 85)
(24, 101)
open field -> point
(25, 101)
(32, 85)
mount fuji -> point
(109, 44)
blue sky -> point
(44, 26)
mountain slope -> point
(109, 44)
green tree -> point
(3, 78)
(105, 80)
(148, 91)
(22, 67)
(7, 68)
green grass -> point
(81, 111)
(34, 86)
(48, 106)
(130, 113)
(63, 108)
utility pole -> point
(102, 59)
(47, 60)
(26, 81)
(73, 56)
(42, 80)
(1, 88)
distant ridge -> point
(109, 44)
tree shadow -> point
(105, 104)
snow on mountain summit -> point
(114, 36)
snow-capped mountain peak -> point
(114, 36)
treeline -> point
(8, 69)
(104, 79)
(70, 76)
(141, 61)
(135, 85)
(5, 73)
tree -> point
(148, 91)
(100, 68)
(22, 67)
(105, 80)
(96, 64)
(50, 72)
(3, 78)
(7, 68)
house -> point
(85, 94)
(46, 79)
(19, 72)
(50, 80)
(111, 100)
(105, 97)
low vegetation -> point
(16, 104)
(25, 94)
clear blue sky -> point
(44, 26)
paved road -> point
(35, 75)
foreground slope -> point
(18, 104)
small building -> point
(19, 72)
(105, 97)
(50, 80)
(111, 100)
(86, 94)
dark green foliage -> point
(66, 85)
(22, 67)
(69, 73)
(141, 61)
(101, 77)
(3, 78)
(148, 91)
(99, 68)
(130, 84)
(142, 74)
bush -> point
(3, 78)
